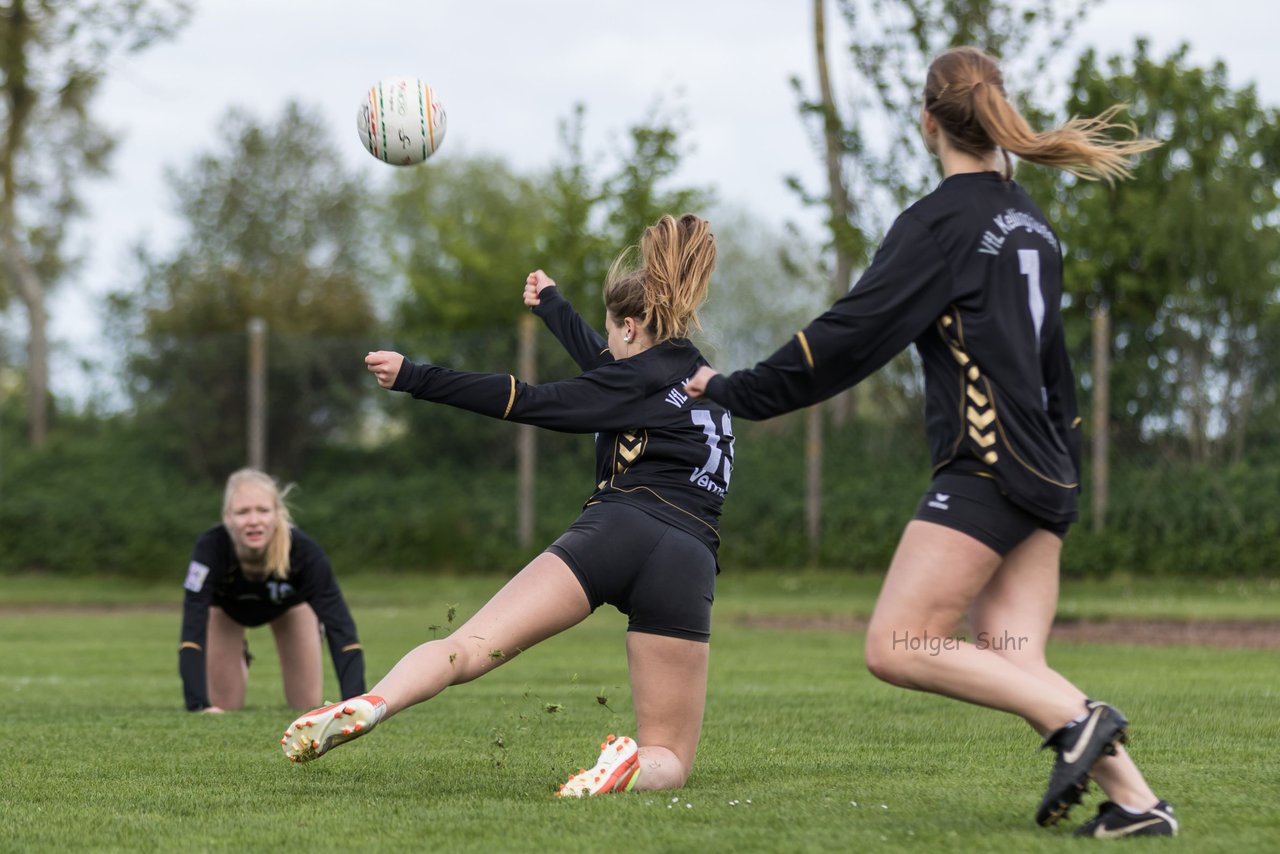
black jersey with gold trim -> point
(972, 274)
(215, 577)
(656, 448)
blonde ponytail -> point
(964, 91)
(677, 258)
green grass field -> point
(802, 750)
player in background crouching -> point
(256, 569)
(972, 274)
(646, 539)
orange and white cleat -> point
(615, 771)
(316, 733)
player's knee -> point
(883, 667)
(470, 658)
(884, 661)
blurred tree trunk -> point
(840, 207)
(1101, 416)
(1197, 407)
(53, 58)
(1240, 423)
(20, 96)
(31, 290)
(813, 451)
(838, 212)
(527, 438)
(257, 403)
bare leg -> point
(297, 634)
(542, 600)
(225, 667)
(936, 574)
(669, 688)
(1013, 615)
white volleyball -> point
(401, 121)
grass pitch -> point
(802, 750)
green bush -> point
(103, 497)
(99, 499)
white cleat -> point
(317, 732)
(615, 771)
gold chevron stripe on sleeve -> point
(978, 397)
(511, 401)
(984, 440)
(804, 345)
(980, 420)
(189, 645)
(351, 646)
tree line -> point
(1172, 278)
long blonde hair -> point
(677, 257)
(277, 556)
(964, 91)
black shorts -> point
(252, 613)
(974, 505)
(662, 578)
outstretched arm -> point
(587, 347)
(601, 399)
(903, 291)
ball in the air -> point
(401, 121)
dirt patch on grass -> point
(92, 608)
(1222, 634)
(1219, 634)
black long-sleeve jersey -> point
(656, 448)
(972, 274)
(215, 577)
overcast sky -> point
(507, 73)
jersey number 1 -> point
(1029, 266)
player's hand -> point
(533, 286)
(385, 366)
(697, 384)
(212, 710)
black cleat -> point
(1078, 746)
(1114, 822)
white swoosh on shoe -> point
(1103, 833)
(1074, 753)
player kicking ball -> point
(647, 537)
